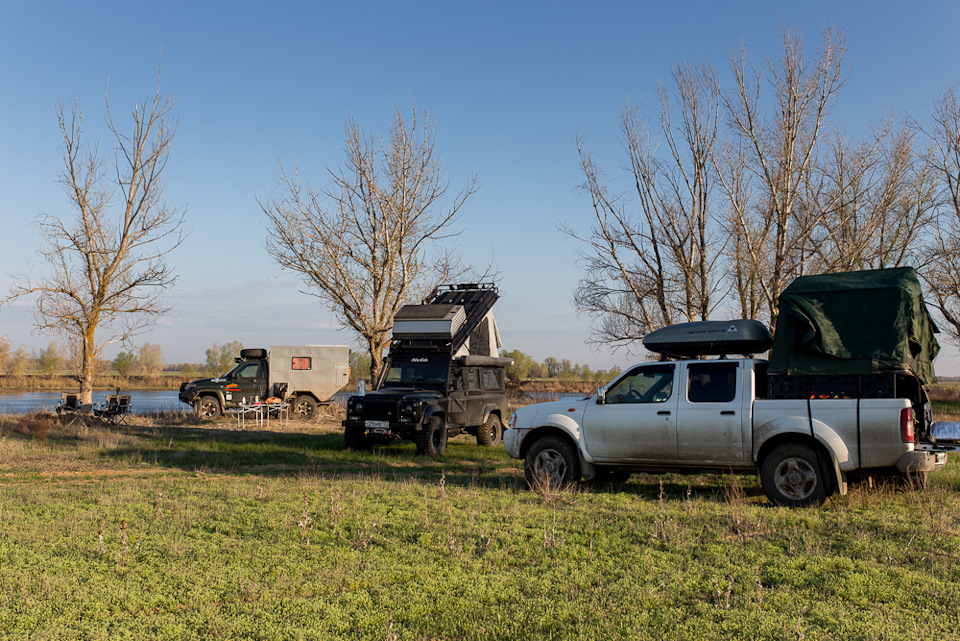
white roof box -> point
(703, 338)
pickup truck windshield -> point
(407, 373)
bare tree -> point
(655, 267)
(767, 161)
(367, 244)
(942, 276)
(5, 349)
(874, 200)
(104, 271)
(220, 358)
(151, 359)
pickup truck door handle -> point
(663, 413)
(728, 413)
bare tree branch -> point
(368, 244)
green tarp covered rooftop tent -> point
(855, 323)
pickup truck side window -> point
(643, 385)
(714, 383)
(249, 371)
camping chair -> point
(114, 411)
(69, 409)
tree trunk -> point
(87, 370)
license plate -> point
(377, 424)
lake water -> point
(152, 401)
(141, 402)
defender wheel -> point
(206, 407)
(355, 438)
(432, 439)
(551, 460)
(490, 434)
(792, 475)
(305, 407)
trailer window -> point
(301, 362)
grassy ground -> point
(177, 529)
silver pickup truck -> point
(713, 415)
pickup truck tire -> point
(551, 460)
(305, 407)
(432, 439)
(206, 407)
(792, 475)
(355, 438)
(490, 434)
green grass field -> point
(201, 531)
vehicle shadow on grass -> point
(269, 453)
(323, 454)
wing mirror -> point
(601, 396)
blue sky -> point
(510, 84)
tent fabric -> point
(855, 323)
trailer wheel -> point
(305, 407)
(355, 438)
(551, 461)
(206, 407)
(793, 476)
(490, 434)
(432, 439)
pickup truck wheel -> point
(305, 407)
(432, 439)
(206, 407)
(490, 434)
(355, 438)
(792, 476)
(551, 460)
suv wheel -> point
(206, 407)
(355, 438)
(490, 434)
(432, 438)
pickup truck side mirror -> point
(601, 396)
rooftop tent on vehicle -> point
(855, 323)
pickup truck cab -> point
(712, 415)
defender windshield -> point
(404, 373)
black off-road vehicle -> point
(442, 376)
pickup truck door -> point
(635, 419)
(251, 380)
(710, 414)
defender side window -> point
(473, 379)
(456, 379)
(492, 379)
